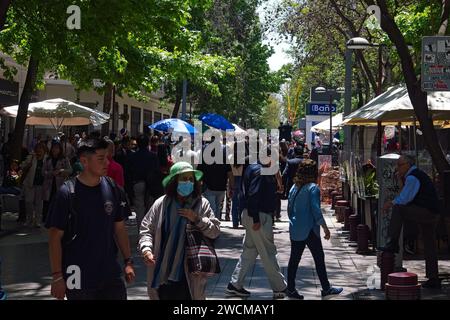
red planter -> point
(387, 263)
(362, 238)
(336, 199)
(334, 194)
(353, 221)
(343, 203)
(339, 213)
(347, 213)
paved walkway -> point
(25, 267)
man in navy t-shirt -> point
(85, 267)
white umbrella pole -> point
(61, 123)
(54, 125)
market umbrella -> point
(216, 121)
(59, 112)
(173, 125)
(324, 126)
(394, 106)
(238, 130)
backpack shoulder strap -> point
(71, 229)
(115, 188)
(118, 194)
(70, 185)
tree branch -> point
(347, 21)
(354, 33)
(417, 96)
(444, 17)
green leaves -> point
(133, 44)
(231, 29)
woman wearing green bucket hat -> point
(163, 233)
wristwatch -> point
(128, 261)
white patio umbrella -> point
(238, 130)
(59, 112)
(394, 106)
(324, 126)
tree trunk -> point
(107, 100)
(22, 113)
(4, 6)
(178, 97)
(359, 91)
(417, 96)
(444, 17)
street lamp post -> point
(359, 43)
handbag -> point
(200, 252)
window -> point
(157, 116)
(125, 116)
(147, 121)
(166, 116)
(135, 121)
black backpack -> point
(70, 232)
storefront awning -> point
(394, 106)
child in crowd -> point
(11, 184)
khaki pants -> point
(260, 243)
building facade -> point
(126, 112)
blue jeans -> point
(215, 199)
(315, 246)
(235, 208)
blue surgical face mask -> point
(185, 188)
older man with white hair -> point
(417, 202)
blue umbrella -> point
(173, 125)
(216, 121)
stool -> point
(402, 286)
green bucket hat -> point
(181, 167)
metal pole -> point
(183, 105)
(348, 98)
(331, 124)
(379, 133)
(379, 89)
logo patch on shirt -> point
(109, 207)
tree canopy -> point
(134, 45)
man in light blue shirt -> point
(417, 202)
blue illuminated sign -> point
(320, 109)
